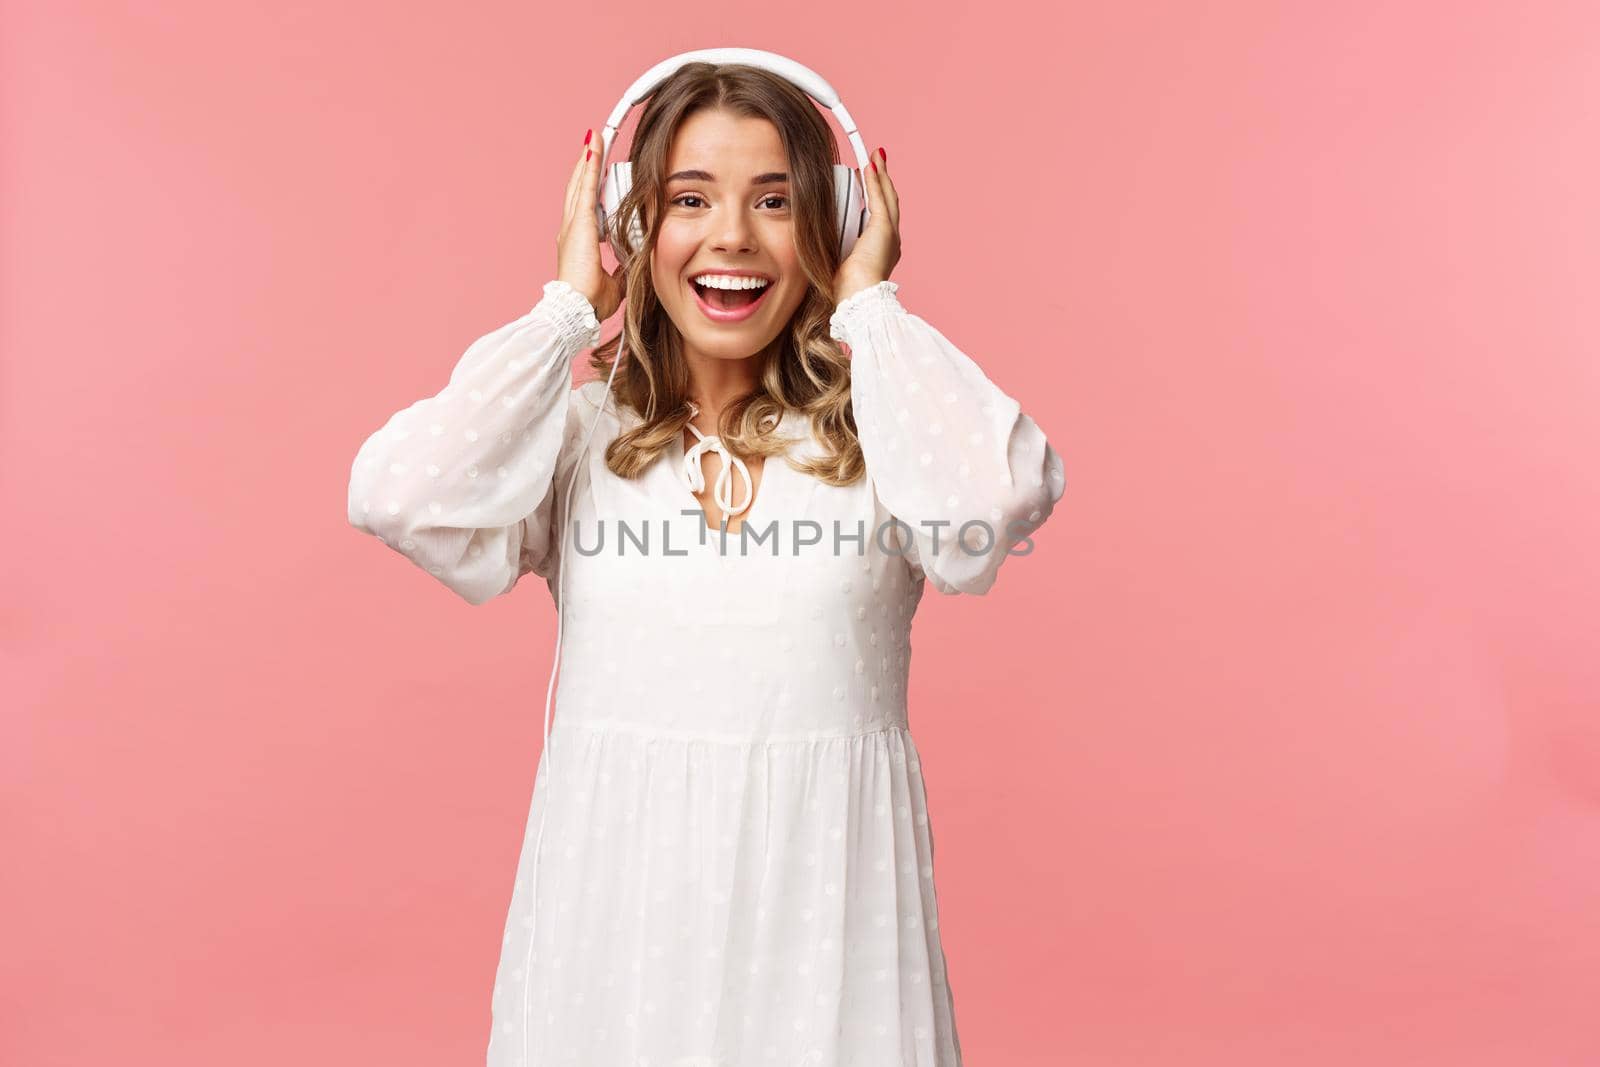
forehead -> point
(733, 147)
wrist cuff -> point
(571, 312)
(863, 306)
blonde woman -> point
(734, 864)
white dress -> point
(728, 859)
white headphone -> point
(850, 204)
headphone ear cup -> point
(619, 179)
(850, 202)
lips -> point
(728, 315)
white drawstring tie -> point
(723, 491)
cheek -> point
(795, 298)
(675, 243)
(666, 276)
(779, 241)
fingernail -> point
(884, 152)
(874, 166)
(587, 152)
(588, 134)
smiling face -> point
(728, 211)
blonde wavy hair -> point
(804, 369)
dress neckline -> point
(691, 479)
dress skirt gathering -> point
(775, 904)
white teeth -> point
(729, 281)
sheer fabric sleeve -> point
(463, 483)
(950, 454)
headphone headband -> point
(808, 80)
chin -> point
(728, 345)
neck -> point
(716, 383)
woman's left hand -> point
(877, 250)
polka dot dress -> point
(729, 859)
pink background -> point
(1281, 749)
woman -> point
(735, 865)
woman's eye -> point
(783, 201)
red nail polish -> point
(587, 134)
(884, 152)
(587, 153)
(874, 166)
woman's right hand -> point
(578, 245)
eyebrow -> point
(770, 178)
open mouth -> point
(728, 305)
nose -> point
(733, 231)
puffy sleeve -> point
(464, 483)
(950, 454)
